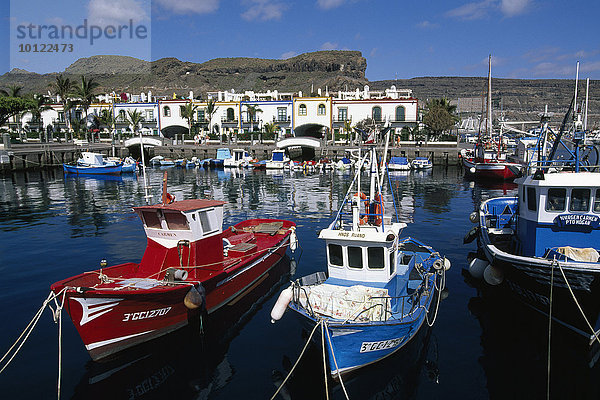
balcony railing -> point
(225, 120)
(282, 119)
(337, 118)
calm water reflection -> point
(52, 226)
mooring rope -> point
(324, 361)
(594, 333)
(550, 329)
(297, 361)
(27, 331)
(337, 368)
(437, 306)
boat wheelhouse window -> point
(556, 199)
(580, 200)
(531, 199)
(376, 257)
(355, 257)
(392, 263)
(205, 222)
(335, 255)
(176, 221)
(151, 219)
(597, 201)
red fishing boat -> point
(484, 162)
(191, 268)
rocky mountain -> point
(335, 70)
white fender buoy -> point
(293, 266)
(493, 275)
(281, 304)
(474, 217)
(476, 267)
(293, 240)
(447, 264)
(472, 170)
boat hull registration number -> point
(382, 345)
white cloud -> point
(189, 6)
(105, 12)
(472, 11)
(263, 10)
(551, 69)
(479, 10)
(329, 4)
(427, 25)
(373, 52)
(329, 46)
(511, 8)
(288, 54)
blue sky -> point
(399, 38)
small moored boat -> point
(379, 288)
(93, 164)
(190, 269)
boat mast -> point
(146, 195)
(576, 83)
(587, 91)
(489, 97)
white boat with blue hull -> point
(379, 289)
(544, 244)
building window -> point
(376, 114)
(342, 114)
(302, 109)
(580, 200)
(321, 109)
(78, 114)
(201, 115)
(122, 116)
(230, 114)
(166, 111)
(181, 110)
(400, 114)
(150, 115)
(61, 117)
(281, 114)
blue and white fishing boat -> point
(129, 165)
(240, 158)
(93, 164)
(379, 288)
(420, 163)
(399, 164)
(279, 160)
(544, 244)
(222, 155)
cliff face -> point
(333, 69)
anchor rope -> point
(297, 361)
(324, 361)
(439, 298)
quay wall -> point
(53, 155)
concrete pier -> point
(19, 157)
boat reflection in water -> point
(188, 364)
(514, 342)
(396, 377)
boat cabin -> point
(223, 154)
(186, 232)
(561, 209)
(240, 154)
(89, 158)
(360, 256)
(278, 155)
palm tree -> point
(188, 111)
(270, 129)
(13, 91)
(135, 118)
(63, 86)
(348, 129)
(108, 119)
(38, 105)
(211, 109)
(252, 110)
(85, 92)
(439, 115)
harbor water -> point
(483, 344)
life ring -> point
(363, 197)
(170, 198)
